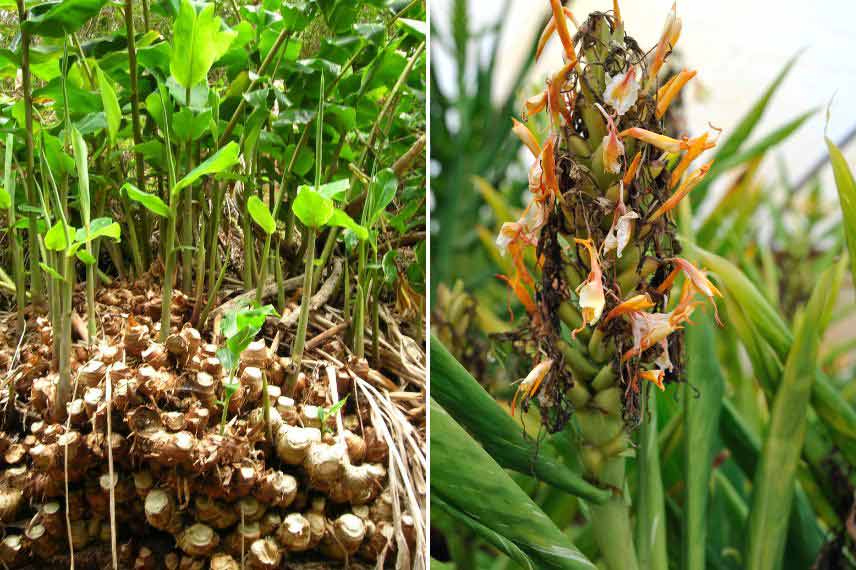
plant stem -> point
(303, 320)
(17, 254)
(263, 270)
(280, 291)
(187, 220)
(139, 161)
(36, 286)
(168, 277)
(359, 322)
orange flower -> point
(662, 142)
(652, 328)
(555, 97)
(636, 303)
(548, 165)
(630, 175)
(691, 182)
(590, 291)
(667, 93)
(564, 32)
(695, 147)
(696, 280)
(613, 148)
(529, 385)
(668, 39)
(526, 137)
(655, 377)
(550, 29)
(535, 104)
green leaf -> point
(86, 257)
(417, 28)
(390, 269)
(464, 476)
(222, 160)
(149, 201)
(55, 239)
(773, 485)
(847, 196)
(56, 19)
(197, 42)
(336, 190)
(380, 193)
(100, 227)
(701, 411)
(190, 126)
(261, 215)
(81, 160)
(311, 208)
(341, 219)
(111, 106)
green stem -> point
(168, 277)
(303, 319)
(359, 323)
(280, 290)
(219, 196)
(263, 270)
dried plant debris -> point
(332, 472)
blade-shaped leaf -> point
(197, 42)
(312, 209)
(341, 219)
(81, 160)
(222, 160)
(112, 111)
(847, 196)
(465, 476)
(56, 19)
(261, 215)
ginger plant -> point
(604, 184)
(239, 327)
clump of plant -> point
(239, 328)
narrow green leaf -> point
(261, 215)
(459, 393)
(651, 510)
(81, 160)
(464, 476)
(702, 403)
(112, 111)
(847, 196)
(149, 201)
(198, 41)
(222, 160)
(774, 482)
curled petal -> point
(550, 29)
(667, 93)
(619, 234)
(691, 182)
(555, 97)
(535, 104)
(696, 279)
(526, 137)
(622, 91)
(590, 291)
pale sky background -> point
(737, 46)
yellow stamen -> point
(691, 182)
(668, 92)
(526, 137)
